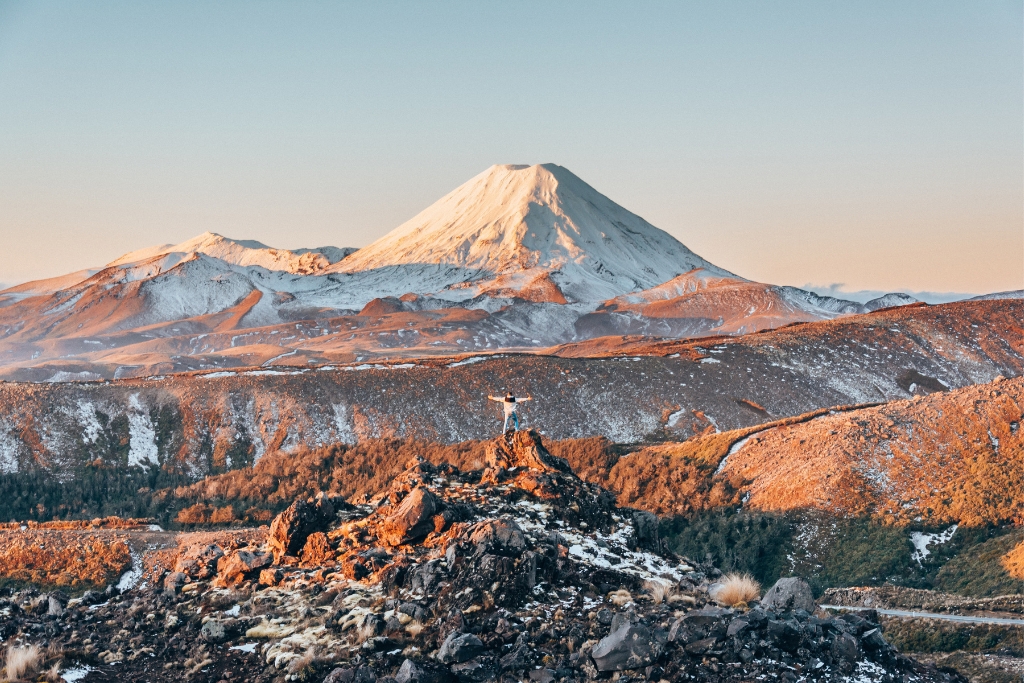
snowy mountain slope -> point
(528, 221)
(43, 287)
(244, 253)
(517, 257)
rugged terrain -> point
(660, 390)
(515, 570)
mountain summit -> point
(523, 222)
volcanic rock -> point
(413, 518)
(630, 646)
(459, 647)
(789, 594)
(233, 567)
(291, 528)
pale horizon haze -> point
(855, 146)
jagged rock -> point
(523, 449)
(786, 634)
(498, 536)
(645, 530)
(631, 646)
(413, 519)
(317, 550)
(737, 626)
(789, 594)
(271, 577)
(214, 631)
(233, 567)
(173, 582)
(291, 528)
(459, 647)
(412, 672)
(199, 561)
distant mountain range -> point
(519, 257)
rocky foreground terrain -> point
(516, 571)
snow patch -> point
(141, 435)
(343, 423)
(469, 361)
(922, 540)
(91, 427)
(76, 673)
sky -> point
(851, 147)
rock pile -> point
(517, 571)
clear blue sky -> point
(873, 144)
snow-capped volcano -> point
(520, 223)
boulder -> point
(411, 520)
(845, 647)
(631, 646)
(498, 536)
(233, 567)
(173, 583)
(789, 594)
(199, 561)
(291, 528)
(215, 631)
(459, 647)
(317, 550)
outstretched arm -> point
(494, 398)
(528, 398)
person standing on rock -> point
(511, 405)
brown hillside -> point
(943, 458)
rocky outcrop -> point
(523, 449)
(291, 528)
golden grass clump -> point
(1013, 562)
(21, 661)
(661, 590)
(620, 597)
(736, 590)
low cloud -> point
(838, 290)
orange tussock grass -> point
(1013, 561)
(62, 558)
(737, 590)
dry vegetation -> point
(99, 523)
(736, 590)
(72, 559)
(1013, 562)
(955, 457)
